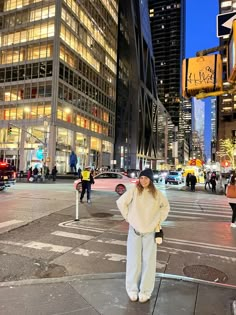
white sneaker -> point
(143, 298)
(233, 225)
(133, 296)
(89, 201)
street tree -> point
(229, 148)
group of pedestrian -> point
(191, 180)
(35, 174)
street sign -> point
(224, 23)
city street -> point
(40, 238)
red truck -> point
(7, 175)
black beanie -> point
(148, 173)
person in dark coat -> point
(188, 179)
(213, 182)
(54, 173)
(193, 181)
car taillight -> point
(134, 180)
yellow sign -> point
(202, 73)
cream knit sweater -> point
(144, 213)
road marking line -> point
(202, 246)
(76, 225)
(200, 243)
(8, 223)
(172, 250)
(39, 245)
(98, 254)
(48, 247)
(112, 241)
(202, 214)
(73, 235)
(182, 216)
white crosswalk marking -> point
(73, 235)
(39, 245)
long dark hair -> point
(151, 188)
(233, 180)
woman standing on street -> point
(231, 195)
(144, 208)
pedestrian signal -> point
(9, 131)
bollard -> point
(76, 205)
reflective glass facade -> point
(58, 63)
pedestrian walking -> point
(54, 173)
(29, 173)
(87, 180)
(145, 208)
(213, 182)
(193, 181)
(207, 180)
(231, 196)
(188, 179)
(79, 172)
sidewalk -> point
(105, 294)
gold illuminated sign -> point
(202, 73)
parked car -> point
(7, 175)
(156, 176)
(109, 181)
(174, 177)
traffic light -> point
(9, 131)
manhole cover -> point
(204, 272)
(101, 215)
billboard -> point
(201, 74)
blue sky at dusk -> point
(201, 34)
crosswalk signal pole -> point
(76, 205)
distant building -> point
(198, 126)
(168, 37)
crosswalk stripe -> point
(39, 245)
(73, 235)
(203, 214)
(233, 249)
(8, 223)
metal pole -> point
(76, 205)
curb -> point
(116, 275)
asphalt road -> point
(40, 238)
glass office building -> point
(141, 121)
(58, 62)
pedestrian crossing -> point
(105, 238)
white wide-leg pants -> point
(141, 262)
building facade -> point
(226, 109)
(58, 70)
(141, 120)
(168, 37)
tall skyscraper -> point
(226, 109)
(168, 37)
(141, 122)
(58, 81)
